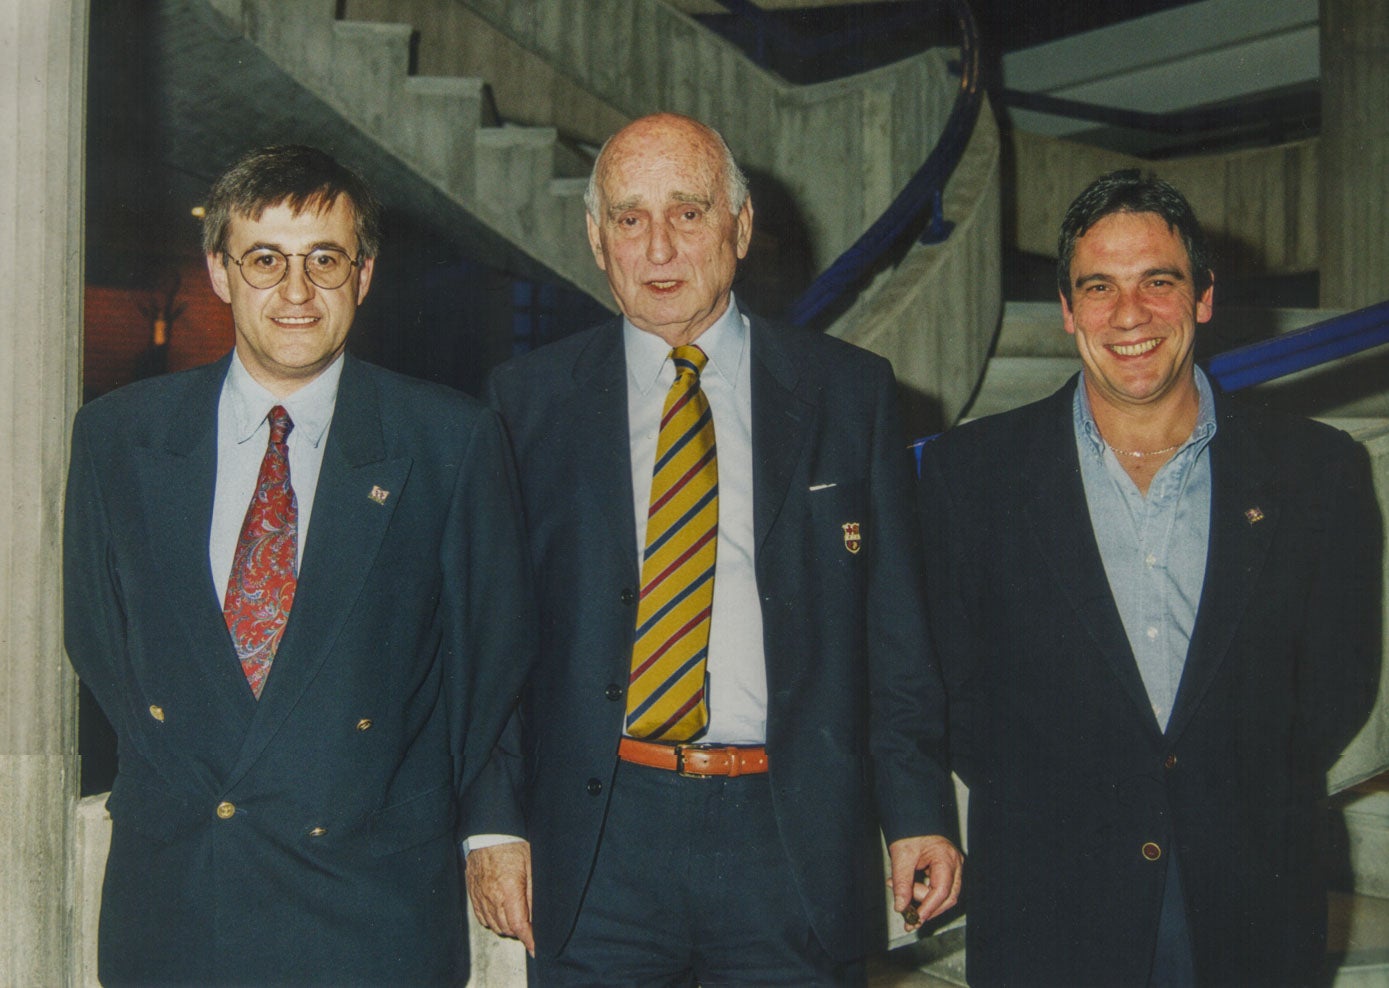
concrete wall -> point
(1354, 202)
(41, 115)
(935, 314)
(1259, 206)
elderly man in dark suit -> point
(1158, 616)
(300, 709)
(734, 668)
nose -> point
(296, 286)
(660, 247)
(1129, 310)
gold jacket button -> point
(1151, 851)
(318, 831)
(226, 810)
(157, 712)
(364, 724)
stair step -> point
(370, 64)
(1358, 940)
(1013, 381)
(1361, 840)
(434, 128)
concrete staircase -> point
(931, 310)
(441, 128)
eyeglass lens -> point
(265, 267)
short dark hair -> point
(1131, 191)
(304, 177)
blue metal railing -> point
(917, 210)
(1268, 115)
(1321, 343)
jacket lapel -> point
(345, 534)
(177, 484)
(1241, 482)
(1059, 518)
(781, 425)
(599, 445)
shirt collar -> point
(1202, 433)
(310, 408)
(724, 343)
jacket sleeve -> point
(907, 700)
(93, 611)
(1339, 677)
(941, 520)
(491, 626)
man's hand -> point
(499, 885)
(941, 864)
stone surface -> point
(1258, 206)
(41, 114)
(1354, 177)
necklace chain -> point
(1141, 453)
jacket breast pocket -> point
(839, 519)
(412, 821)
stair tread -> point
(446, 84)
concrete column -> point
(1354, 183)
(43, 51)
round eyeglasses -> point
(326, 267)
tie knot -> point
(689, 359)
(280, 424)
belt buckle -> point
(680, 750)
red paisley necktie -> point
(260, 590)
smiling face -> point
(287, 335)
(1134, 311)
(665, 235)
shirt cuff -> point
(488, 840)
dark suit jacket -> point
(854, 698)
(1069, 773)
(400, 662)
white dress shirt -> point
(243, 430)
(737, 666)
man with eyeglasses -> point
(301, 711)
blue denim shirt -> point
(1153, 547)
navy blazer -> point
(308, 837)
(1070, 775)
(855, 706)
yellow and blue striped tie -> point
(666, 698)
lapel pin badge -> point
(378, 495)
(853, 541)
(1254, 515)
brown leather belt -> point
(695, 760)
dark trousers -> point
(692, 886)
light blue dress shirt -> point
(1153, 546)
(737, 665)
(243, 430)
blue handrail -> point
(913, 209)
(1266, 114)
(1321, 343)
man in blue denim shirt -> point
(1158, 615)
